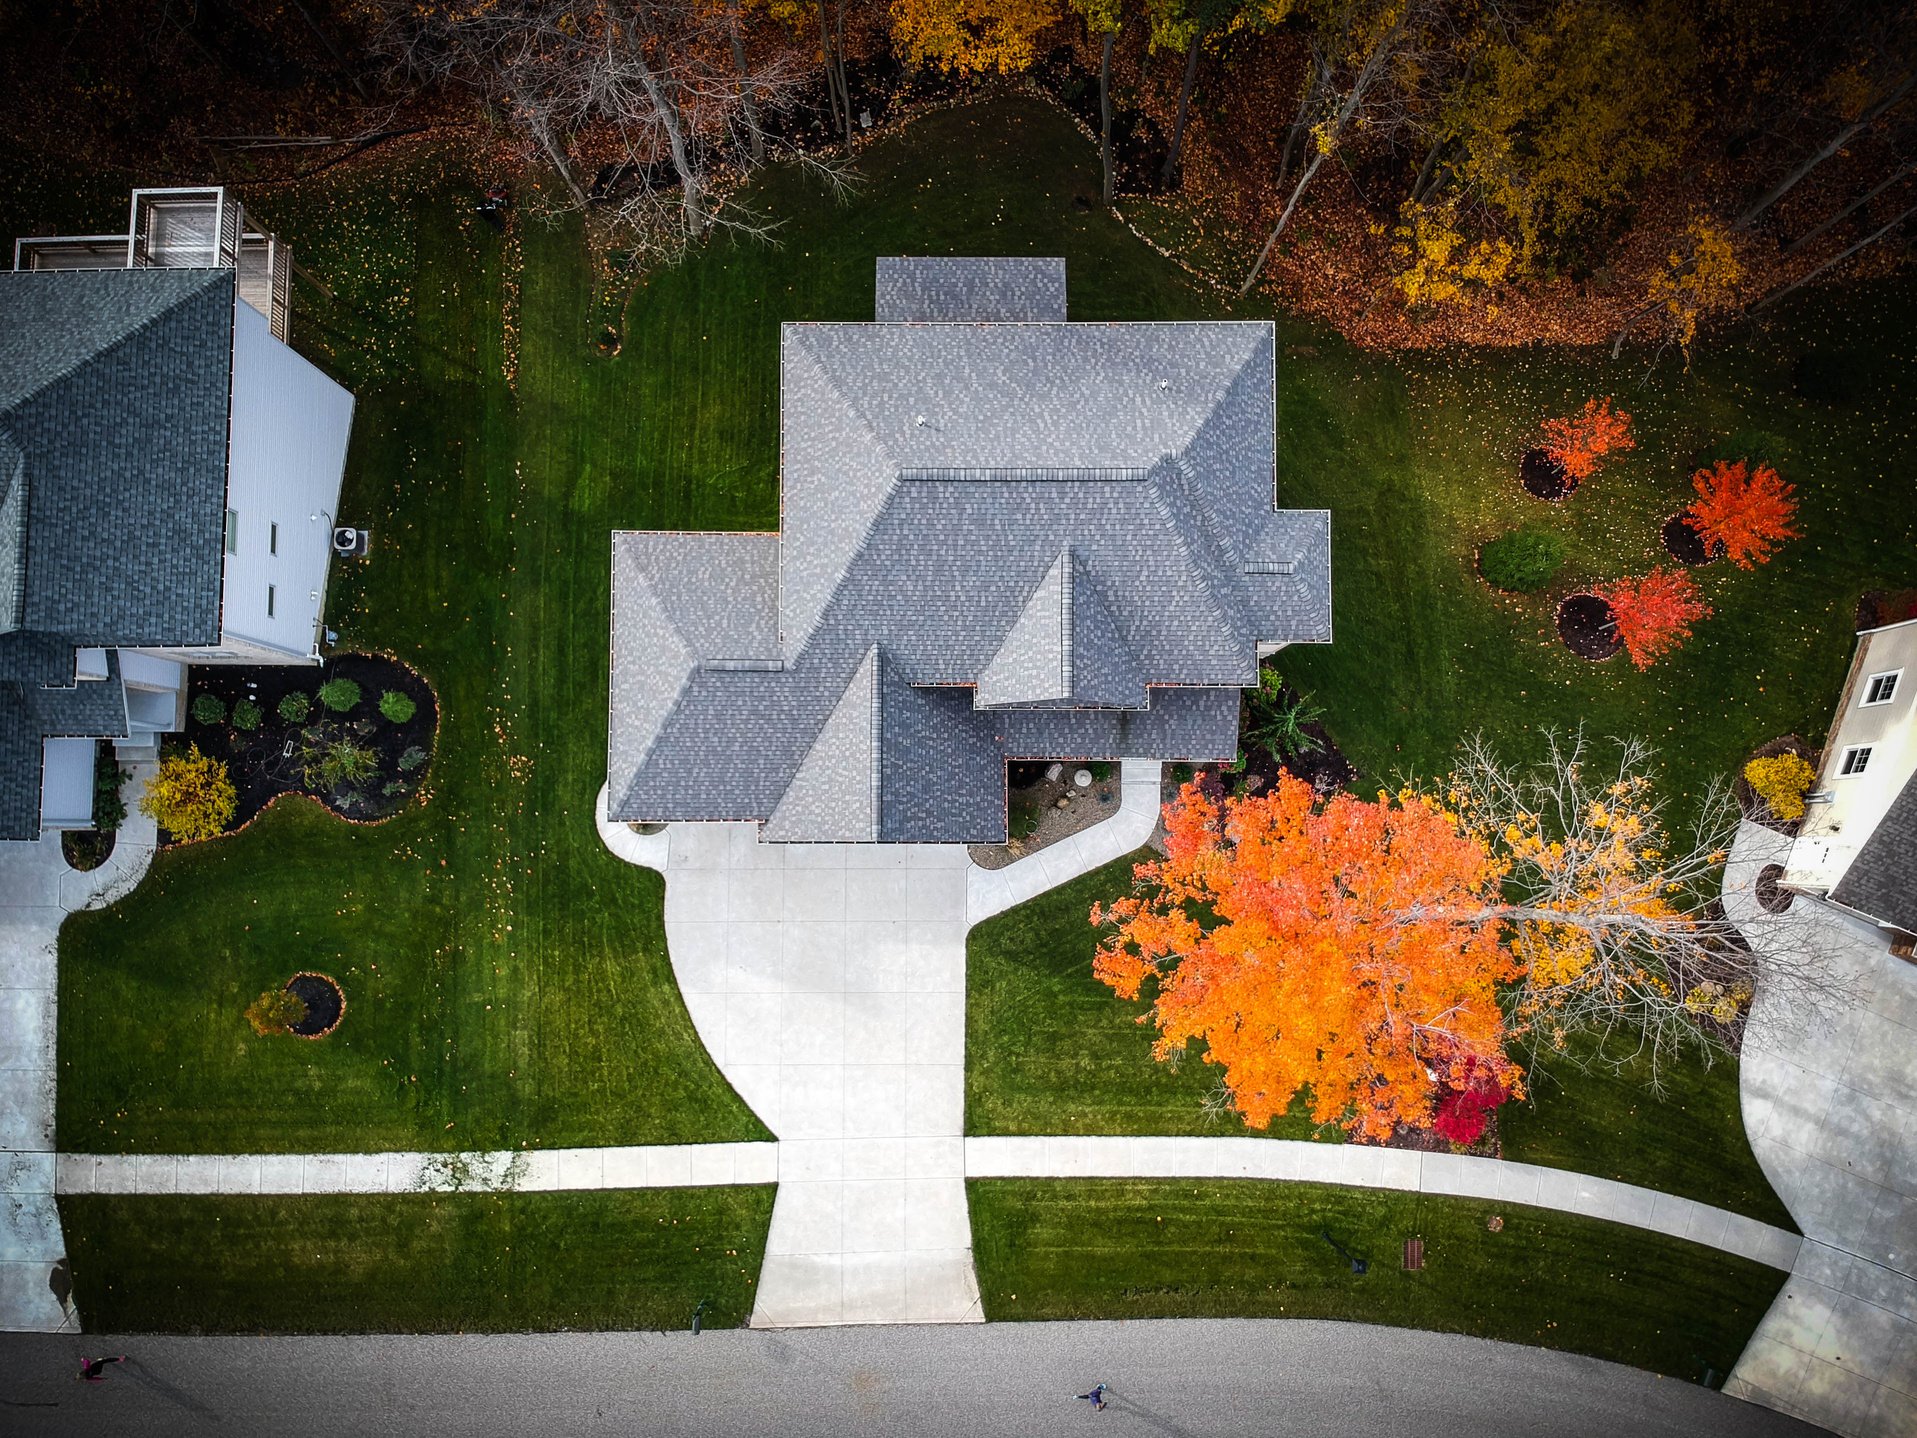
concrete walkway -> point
(1361, 1166)
(1831, 1112)
(37, 892)
(992, 891)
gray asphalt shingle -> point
(1882, 880)
(1075, 520)
(914, 290)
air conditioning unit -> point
(348, 542)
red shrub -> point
(1748, 514)
(1654, 613)
(1580, 442)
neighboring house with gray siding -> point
(1002, 536)
(169, 475)
(1857, 844)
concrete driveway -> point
(1830, 1108)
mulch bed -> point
(1685, 544)
(1772, 897)
(1543, 477)
(259, 762)
(325, 1004)
(1425, 1140)
(86, 849)
(1754, 808)
(1083, 808)
(1588, 628)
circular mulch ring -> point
(1543, 477)
(86, 849)
(1588, 628)
(1771, 896)
(325, 1004)
(1685, 544)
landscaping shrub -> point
(247, 715)
(339, 695)
(295, 707)
(1523, 561)
(109, 805)
(1742, 511)
(209, 709)
(1278, 721)
(1781, 781)
(192, 795)
(275, 1012)
(339, 764)
(396, 706)
(411, 759)
(1653, 614)
(1580, 442)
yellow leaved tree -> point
(191, 795)
(971, 36)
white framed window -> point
(269, 601)
(1855, 760)
(232, 531)
(1880, 688)
(273, 538)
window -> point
(269, 601)
(1856, 759)
(1881, 688)
(273, 538)
(232, 531)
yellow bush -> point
(1781, 781)
(191, 797)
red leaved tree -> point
(1746, 512)
(1654, 613)
(1345, 948)
(1580, 442)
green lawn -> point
(1107, 1248)
(340, 1263)
(1049, 1049)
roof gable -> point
(834, 794)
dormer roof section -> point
(1063, 650)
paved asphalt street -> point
(1172, 1379)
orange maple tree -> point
(1653, 613)
(1319, 946)
(1746, 512)
(1580, 442)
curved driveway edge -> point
(37, 892)
(1830, 1108)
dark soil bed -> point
(1772, 897)
(1543, 477)
(325, 1004)
(86, 849)
(1685, 544)
(1586, 626)
(279, 756)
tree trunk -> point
(1313, 85)
(1425, 172)
(1283, 219)
(350, 70)
(1852, 208)
(750, 103)
(1184, 107)
(554, 151)
(838, 60)
(693, 198)
(1842, 138)
(835, 82)
(1775, 295)
(1105, 111)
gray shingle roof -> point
(917, 290)
(114, 388)
(1882, 880)
(1056, 518)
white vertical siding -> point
(288, 450)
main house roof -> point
(999, 539)
(114, 399)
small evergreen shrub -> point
(1523, 561)
(209, 709)
(339, 695)
(247, 715)
(109, 805)
(396, 706)
(295, 707)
